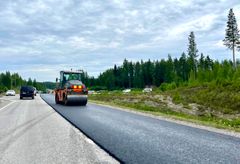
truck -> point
(70, 89)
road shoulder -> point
(32, 132)
(169, 119)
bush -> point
(177, 97)
(166, 86)
(3, 89)
(98, 88)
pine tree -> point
(131, 71)
(34, 83)
(169, 76)
(157, 74)
(192, 53)
(184, 67)
(138, 76)
(29, 82)
(116, 75)
(125, 74)
(6, 80)
(201, 64)
(232, 34)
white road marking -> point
(7, 105)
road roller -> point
(70, 89)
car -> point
(10, 93)
(147, 90)
(126, 91)
(26, 91)
(91, 92)
(35, 91)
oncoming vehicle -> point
(26, 91)
(10, 93)
(147, 90)
(35, 91)
(71, 89)
(126, 91)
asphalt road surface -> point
(32, 132)
(134, 138)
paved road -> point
(134, 138)
(32, 132)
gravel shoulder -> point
(32, 132)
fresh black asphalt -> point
(134, 138)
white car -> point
(147, 90)
(35, 91)
(126, 91)
(10, 93)
(91, 92)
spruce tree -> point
(184, 67)
(192, 53)
(232, 34)
(201, 64)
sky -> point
(39, 38)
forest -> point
(15, 81)
(177, 72)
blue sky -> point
(38, 38)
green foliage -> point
(15, 81)
(3, 89)
(30, 82)
(97, 88)
(46, 85)
(177, 97)
(168, 86)
(157, 73)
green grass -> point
(225, 100)
(138, 101)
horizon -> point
(39, 39)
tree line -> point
(188, 69)
(15, 81)
(178, 71)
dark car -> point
(26, 91)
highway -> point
(133, 138)
(32, 132)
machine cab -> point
(66, 76)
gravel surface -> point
(134, 138)
(32, 132)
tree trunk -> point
(234, 61)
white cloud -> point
(182, 3)
(219, 44)
(203, 23)
(119, 31)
